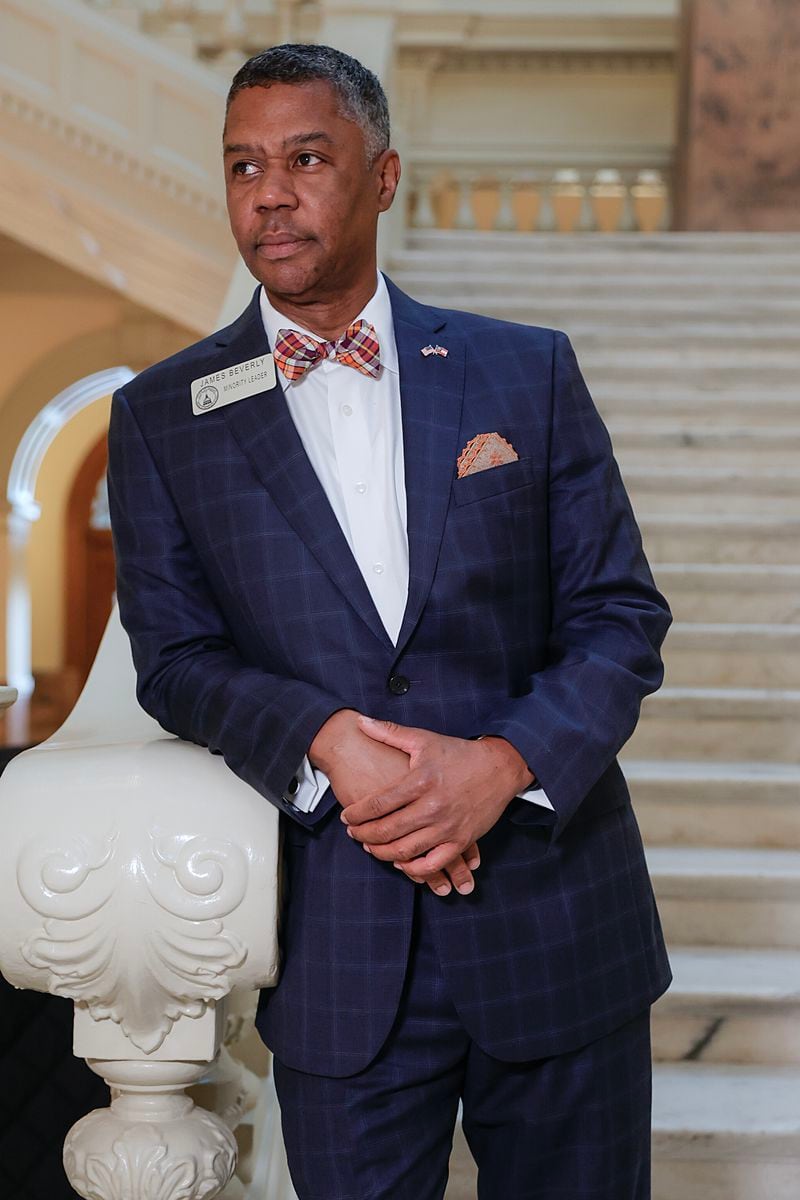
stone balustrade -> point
(513, 198)
(139, 878)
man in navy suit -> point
(398, 585)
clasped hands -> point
(415, 798)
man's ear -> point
(387, 174)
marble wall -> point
(739, 135)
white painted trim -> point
(45, 427)
(24, 509)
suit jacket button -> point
(399, 685)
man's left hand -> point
(455, 790)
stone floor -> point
(463, 1175)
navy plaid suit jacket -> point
(531, 614)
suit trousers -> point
(574, 1126)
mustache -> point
(279, 235)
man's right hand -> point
(358, 766)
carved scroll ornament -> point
(134, 926)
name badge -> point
(233, 383)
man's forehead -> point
(252, 118)
(302, 138)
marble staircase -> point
(690, 345)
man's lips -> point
(279, 245)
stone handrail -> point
(139, 878)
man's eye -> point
(307, 159)
(242, 168)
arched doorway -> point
(89, 560)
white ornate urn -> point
(139, 878)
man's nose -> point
(275, 190)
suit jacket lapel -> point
(266, 433)
(431, 393)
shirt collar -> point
(378, 311)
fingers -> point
(460, 875)
(415, 818)
(472, 856)
(403, 737)
(403, 849)
(456, 875)
(411, 787)
(438, 883)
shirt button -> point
(377, 568)
(399, 684)
(347, 410)
(360, 488)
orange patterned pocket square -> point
(484, 451)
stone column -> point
(365, 29)
(738, 144)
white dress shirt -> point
(350, 425)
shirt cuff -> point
(536, 795)
(307, 787)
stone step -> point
(564, 295)
(706, 803)
(434, 279)
(642, 328)
(710, 480)
(681, 251)
(646, 394)
(729, 1005)
(622, 399)
(725, 592)
(743, 654)
(727, 896)
(721, 537)
(672, 355)
(720, 724)
(642, 444)
(611, 314)
(725, 1132)
(665, 243)
(720, 1132)
(723, 502)
(689, 381)
(641, 449)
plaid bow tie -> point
(357, 347)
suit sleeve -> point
(608, 620)
(190, 676)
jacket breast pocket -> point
(489, 482)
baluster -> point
(607, 194)
(527, 205)
(152, 1141)
(649, 196)
(424, 215)
(506, 217)
(567, 195)
(465, 217)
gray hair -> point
(361, 97)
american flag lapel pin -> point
(428, 350)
